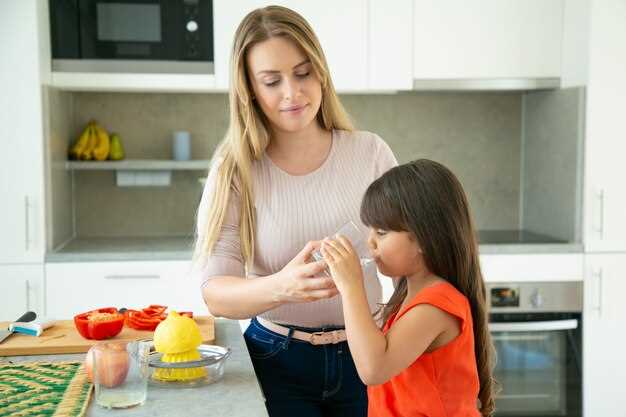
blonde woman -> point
(289, 172)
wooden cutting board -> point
(64, 338)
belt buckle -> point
(313, 339)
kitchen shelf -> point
(139, 165)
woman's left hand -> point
(343, 262)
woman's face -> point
(284, 84)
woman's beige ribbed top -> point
(292, 210)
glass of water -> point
(120, 373)
(358, 239)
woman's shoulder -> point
(360, 138)
(367, 146)
(362, 142)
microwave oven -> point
(132, 36)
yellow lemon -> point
(177, 334)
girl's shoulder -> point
(444, 296)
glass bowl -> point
(209, 368)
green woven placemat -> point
(31, 389)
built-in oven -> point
(134, 36)
(536, 328)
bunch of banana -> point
(93, 143)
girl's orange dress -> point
(441, 383)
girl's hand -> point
(343, 263)
(300, 281)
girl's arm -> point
(379, 357)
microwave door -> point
(119, 30)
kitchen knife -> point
(28, 316)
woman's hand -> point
(343, 262)
(299, 280)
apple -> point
(111, 363)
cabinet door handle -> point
(27, 298)
(600, 226)
(598, 278)
(132, 277)
(26, 223)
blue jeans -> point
(304, 380)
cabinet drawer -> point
(72, 288)
(532, 267)
(21, 289)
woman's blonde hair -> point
(248, 133)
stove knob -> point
(536, 299)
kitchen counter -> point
(97, 249)
(237, 394)
(102, 249)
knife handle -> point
(28, 316)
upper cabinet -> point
(605, 147)
(340, 26)
(390, 58)
(490, 39)
(372, 45)
(21, 118)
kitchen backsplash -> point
(552, 163)
(478, 135)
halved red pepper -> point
(99, 324)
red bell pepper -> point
(148, 318)
(140, 320)
(99, 324)
(154, 310)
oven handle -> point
(534, 326)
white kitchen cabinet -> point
(532, 267)
(574, 59)
(75, 287)
(340, 26)
(604, 312)
(605, 144)
(24, 57)
(21, 290)
(390, 45)
(489, 39)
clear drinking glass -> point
(358, 239)
(120, 373)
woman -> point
(290, 171)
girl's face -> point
(396, 254)
(284, 84)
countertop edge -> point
(486, 249)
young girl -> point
(433, 356)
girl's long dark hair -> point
(426, 199)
